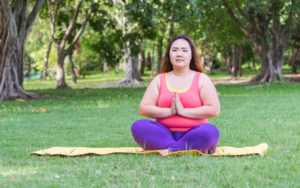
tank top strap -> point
(195, 83)
(163, 84)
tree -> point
(269, 25)
(135, 19)
(15, 24)
(61, 40)
(296, 44)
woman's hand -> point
(173, 106)
(178, 104)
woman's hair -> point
(166, 66)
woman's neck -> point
(181, 72)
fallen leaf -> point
(33, 110)
(98, 171)
(43, 109)
(21, 100)
(56, 176)
(74, 161)
(188, 167)
(136, 179)
(15, 148)
(13, 178)
(172, 178)
(132, 171)
(87, 157)
(118, 95)
(29, 106)
(273, 119)
(85, 101)
(60, 104)
(116, 166)
(219, 94)
(152, 178)
(3, 106)
(2, 114)
(139, 185)
(287, 151)
(16, 107)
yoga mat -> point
(220, 151)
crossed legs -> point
(152, 135)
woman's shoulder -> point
(203, 80)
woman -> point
(181, 99)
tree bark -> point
(72, 70)
(28, 66)
(159, 54)
(149, 61)
(46, 61)
(295, 61)
(15, 24)
(234, 67)
(132, 76)
(60, 73)
(240, 60)
(143, 62)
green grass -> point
(103, 117)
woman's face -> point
(180, 53)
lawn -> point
(102, 117)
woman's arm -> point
(209, 98)
(148, 106)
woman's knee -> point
(139, 124)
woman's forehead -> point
(180, 43)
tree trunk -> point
(143, 63)
(171, 30)
(132, 74)
(149, 61)
(295, 61)
(15, 25)
(234, 67)
(46, 61)
(60, 72)
(72, 70)
(159, 54)
(202, 58)
(152, 60)
(240, 60)
(29, 65)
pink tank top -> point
(190, 98)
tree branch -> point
(288, 24)
(80, 31)
(32, 16)
(52, 20)
(251, 21)
(231, 14)
(71, 26)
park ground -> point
(94, 113)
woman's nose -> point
(179, 53)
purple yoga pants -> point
(152, 135)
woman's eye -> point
(185, 50)
(173, 50)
